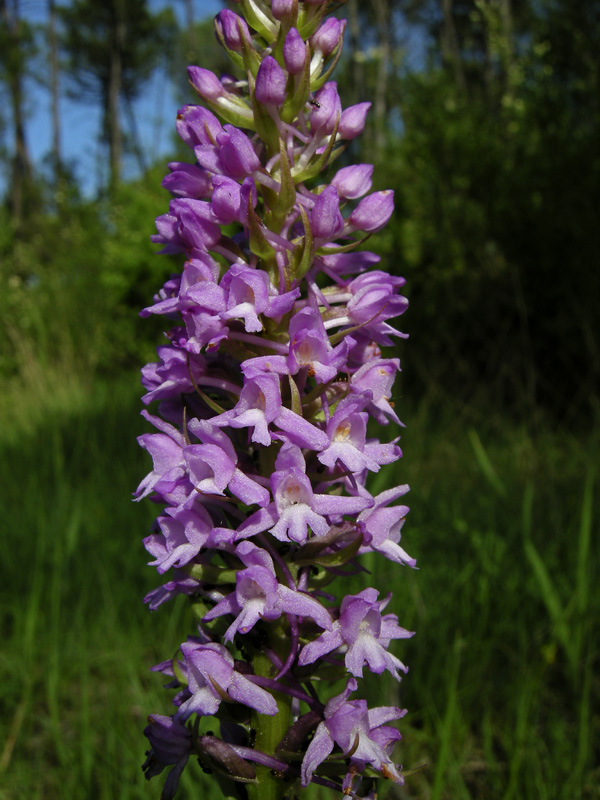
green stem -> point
(269, 732)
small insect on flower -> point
(314, 103)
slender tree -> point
(54, 92)
(16, 47)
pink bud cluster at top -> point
(261, 453)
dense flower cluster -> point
(271, 372)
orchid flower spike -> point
(261, 446)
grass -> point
(503, 684)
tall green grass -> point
(502, 690)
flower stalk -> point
(261, 452)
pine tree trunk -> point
(114, 91)
(450, 45)
(383, 24)
(358, 78)
(54, 94)
(22, 172)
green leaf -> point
(303, 254)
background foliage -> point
(486, 122)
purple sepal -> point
(187, 180)
(342, 264)
(190, 225)
(170, 376)
(179, 585)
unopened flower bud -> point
(352, 121)
(328, 36)
(326, 109)
(281, 8)
(231, 28)
(216, 754)
(354, 181)
(270, 83)
(294, 52)
(326, 220)
(373, 212)
(205, 83)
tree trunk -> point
(112, 101)
(450, 46)
(189, 38)
(136, 140)
(358, 78)
(54, 94)
(383, 23)
(22, 172)
(506, 22)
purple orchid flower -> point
(358, 731)
(347, 430)
(171, 744)
(297, 509)
(383, 524)
(365, 633)
(212, 676)
(259, 595)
